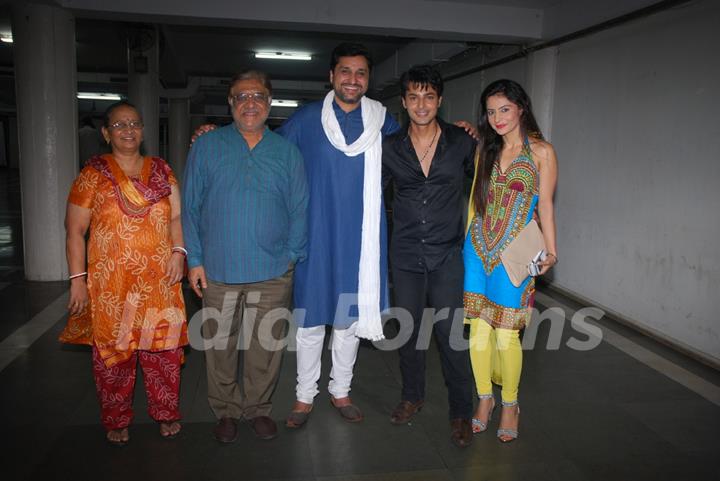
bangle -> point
(180, 249)
(77, 275)
(551, 254)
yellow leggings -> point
(491, 349)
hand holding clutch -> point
(527, 248)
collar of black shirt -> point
(443, 133)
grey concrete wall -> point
(635, 125)
(462, 96)
(636, 128)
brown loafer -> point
(405, 411)
(349, 412)
(299, 415)
(264, 427)
(225, 430)
(461, 432)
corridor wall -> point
(635, 125)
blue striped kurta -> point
(244, 211)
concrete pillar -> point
(178, 135)
(541, 69)
(14, 148)
(45, 86)
(144, 84)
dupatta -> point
(135, 195)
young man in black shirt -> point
(428, 163)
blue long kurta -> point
(326, 282)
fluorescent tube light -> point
(284, 103)
(98, 96)
(284, 55)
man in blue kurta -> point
(343, 281)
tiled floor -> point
(598, 414)
(586, 415)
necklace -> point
(432, 141)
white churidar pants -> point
(344, 345)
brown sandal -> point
(299, 415)
(349, 412)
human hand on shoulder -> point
(469, 128)
(202, 130)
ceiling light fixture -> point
(284, 55)
(6, 37)
(284, 103)
(98, 96)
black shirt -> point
(427, 211)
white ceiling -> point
(215, 38)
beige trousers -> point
(251, 318)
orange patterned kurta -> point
(131, 306)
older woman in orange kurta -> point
(127, 303)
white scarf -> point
(370, 143)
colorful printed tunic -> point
(131, 306)
(512, 198)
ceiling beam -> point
(429, 19)
(421, 52)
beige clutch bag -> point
(518, 255)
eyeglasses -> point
(133, 125)
(245, 97)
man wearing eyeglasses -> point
(244, 221)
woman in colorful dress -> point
(126, 300)
(515, 176)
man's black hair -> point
(424, 76)
(349, 49)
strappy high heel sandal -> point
(478, 425)
(508, 435)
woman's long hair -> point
(491, 143)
